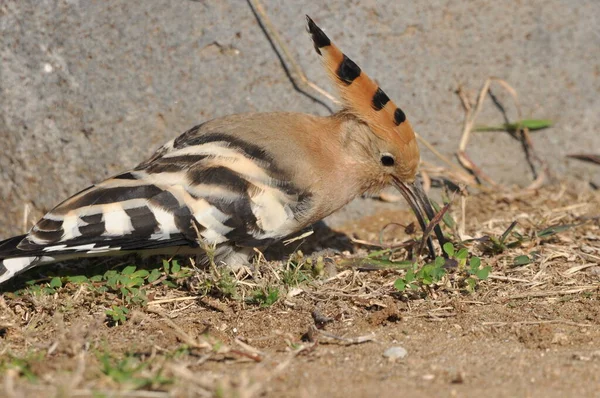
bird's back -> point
(218, 183)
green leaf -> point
(462, 254)
(521, 260)
(531, 124)
(440, 261)
(535, 124)
(272, 297)
(142, 273)
(175, 267)
(552, 230)
(483, 273)
(80, 278)
(449, 249)
(378, 253)
(135, 282)
(110, 274)
(166, 266)
(475, 262)
(130, 269)
(410, 276)
(399, 284)
(48, 290)
(169, 283)
(113, 281)
(55, 282)
(154, 275)
(471, 284)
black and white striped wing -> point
(198, 189)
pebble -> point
(394, 353)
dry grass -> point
(301, 328)
(190, 341)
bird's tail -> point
(12, 261)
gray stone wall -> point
(90, 88)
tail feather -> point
(8, 247)
(14, 261)
(10, 265)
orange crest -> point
(360, 95)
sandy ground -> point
(527, 331)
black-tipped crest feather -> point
(319, 37)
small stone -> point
(560, 338)
(458, 378)
(394, 353)
(295, 292)
(595, 270)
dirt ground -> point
(530, 330)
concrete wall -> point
(90, 88)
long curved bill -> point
(419, 203)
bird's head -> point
(389, 148)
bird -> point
(239, 182)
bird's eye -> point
(387, 160)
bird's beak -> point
(419, 203)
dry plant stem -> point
(463, 217)
(470, 116)
(466, 178)
(170, 300)
(553, 321)
(180, 332)
(507, 278)
(26, 211)
(552, 293)
(526, 139)
(298, 73)
(348, 341)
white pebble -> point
(394, 353)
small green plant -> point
(118, 314)
(218, 282)
(174, 273)
(521, 260)
(21, 364)
(265, 297)
(129, 283)
(130, 371)
(456, 258)
(299, 269)
(555, 229)
(432, 273)
(476, 273)
(428, 274)
(496, 245)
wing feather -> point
(212, 184)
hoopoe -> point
(238, 182)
